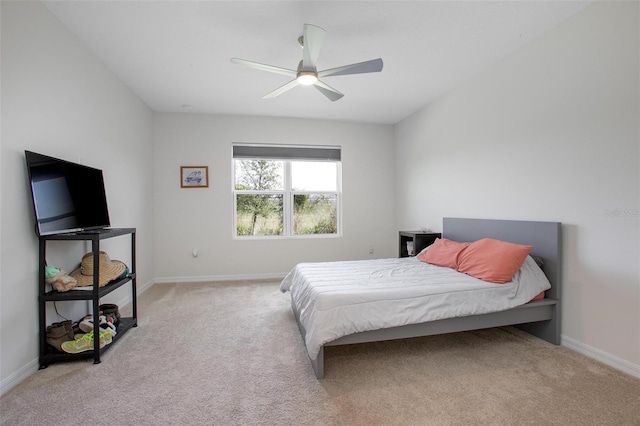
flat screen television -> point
(67, 197)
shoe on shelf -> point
(58, 333)
(82, 343)
(111, 312)
(108, 325)
(86, 323)
(106, 336)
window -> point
(286, 190)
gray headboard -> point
(545, 237)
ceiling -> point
(175, 55)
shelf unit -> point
(94, 295)
(420, 241)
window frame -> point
(287, 193)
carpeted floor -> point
(231, 354)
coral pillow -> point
(492, 260)
(443, 252)
(538, 297)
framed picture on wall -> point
(194, 176)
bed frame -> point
(540, 318)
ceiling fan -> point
(307, 74)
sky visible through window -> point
(313, 176)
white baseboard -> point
(597, 354)
(19, 376)
(192, 279)
(602, 356)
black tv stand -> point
(93, 295)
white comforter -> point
(335, 299)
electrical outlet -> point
(371, 250)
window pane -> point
(315, 214)
(259, 214)
(261, 175)
(313, 176)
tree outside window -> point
(259, 197)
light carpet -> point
(230, 353)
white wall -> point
(203, 218)
(551, 134)
(57, 99)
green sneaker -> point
(106, 337)
(81, 343)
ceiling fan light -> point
(307, 78)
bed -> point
(335, 321)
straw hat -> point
(109, 270)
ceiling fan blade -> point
(290, 85)
(374, 65)
(264, 67)
(312, 39)
(328, 91)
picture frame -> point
(194, 176)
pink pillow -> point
(538, 297)
(443, 252)
(492, 260)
